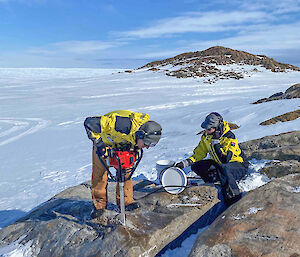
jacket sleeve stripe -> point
(219, 153)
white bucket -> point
(174, 177)
(162, 165)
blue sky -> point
(127, 34)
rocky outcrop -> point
(277, 169)
(206, 64)
(282, 118)
(62, 226)
(233, 126)
(290, 93)
(282, 147)
(265, 222)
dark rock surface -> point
(282, 118)
(265, 222)
(233, 126)
(205, 64)
(62, 226)
(277, 169)
(290, 93)
(285, 146)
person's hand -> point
(101, 151)
(179, 165)
(215, 141)
(101, 147)
(183, 164)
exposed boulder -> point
(290, 93)
(62, 226)
(265, 222)
(277, 169)
(285, 146)
(233, 126)
(282, 118)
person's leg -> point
(128, 191)
(202, 169)
(99, 183)
(229, 174)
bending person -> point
(118, 129)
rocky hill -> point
(217, 63)
(290, 93)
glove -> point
(101, 151)
(101, 147)
(184, 163)
(215, 141)
(179, 165)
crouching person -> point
(118, 129)
(225, 157)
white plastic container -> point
(174, 180)
(162, 165)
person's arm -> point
(228, 149)
(93, 129)
(199, 153)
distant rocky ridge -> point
(290, 93)
(205, 64)
(282, 118)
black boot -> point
(96, 213)
(231, 196)
(132, 206)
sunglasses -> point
(150, 145)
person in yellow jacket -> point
(118, 129)
(225, 156)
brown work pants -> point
(99, 185)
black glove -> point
(101, 147)
(184, 163)
(179, 165)
(101, 151)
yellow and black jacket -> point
(115, 128)
(227, 150)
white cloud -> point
(265, 37)
(200, 22)
(75, 47)
(257, 39)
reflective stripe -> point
(214, 154)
